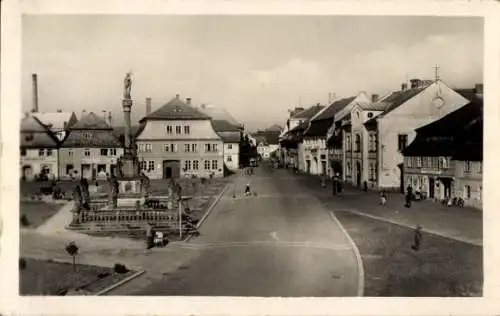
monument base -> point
(129, 187)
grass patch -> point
(35, 213)
(40, 277)
(442, 267)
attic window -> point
(87, 135)
(29, 137)
(370, 114)
(177, 109)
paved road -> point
(281, 242)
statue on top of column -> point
(128, 86)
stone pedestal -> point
(129, 186)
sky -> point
(256, 67)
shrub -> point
(24, 220)
(102, 275)
(120, 268)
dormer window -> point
(29, 137)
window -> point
(195, 164)
(177, 129)
(187, 148)
(372, 143)
(143, 165)
(467, 166)
(148, 148)
(70, 153)
(194, 148)
(358, 143)
(187, 165)
(186, 129)
(467, 192)
(170, 148)
(373, 171)
(169, 129)
(69, 169)
(443, 163)
(151, 165)
(49, 152)
(41, 152)
(86, 152)
(214, 164)
(104, 152)
(348, 142)
(207, 148)
(214, 147)
(348, 167)
(402, 141)
(229, 158)
(207, 164)
(480, 167)
(87, 135)
(229, 146)
(23, 152)
(419, 162)
(112, 151)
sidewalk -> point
(461, 224)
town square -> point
(251, 156)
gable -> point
(176, 109)
(92, 138)
(91, 121)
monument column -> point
(127, 105)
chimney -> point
(374, 98)
(203, 106)
(65, 125)
(148, 106)
(404, 86)
(59, 111)
(109, 117)
(34, 79)
(177, 96)
(479, 88)
(188, 101)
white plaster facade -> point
(32, 161)
(232, 155)
(418, 111)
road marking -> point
(275, 236)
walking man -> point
(409, 194)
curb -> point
(431, 232)
(361, 272)
(114, 286)
(210, 209)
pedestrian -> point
(150, 235)
(417, 238)
(338, 183)
(409, 194)
(247, 190)
(383, 198)
(365, 186)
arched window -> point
(358, 143)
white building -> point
(393, 128)
(39, 153)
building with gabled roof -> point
(445, 158)
(179, 140)
(58, 122)
(393, 127)
(292, 135)
(315, 137)
(231, 137)
(90, 149)
(38, 146)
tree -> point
(72, 250)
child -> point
(247, 190)
(383, 198)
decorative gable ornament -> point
(438, 102)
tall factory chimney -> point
(34, 80)
(148, 106)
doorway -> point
(27, 173)
(323, 168)
(171, 169)
(86, 171)
(308, 166)
(432, 186)
(358, 173)
(401, 179)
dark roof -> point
(318, 128)
(135, 130)
(230, 137)
(397, 98)
(332, 109)
(92, 138)
(309, 112)
(267, 137)
(224, 126)
(454, 121)
(91, 121)
(451, 135)
(176, 109)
